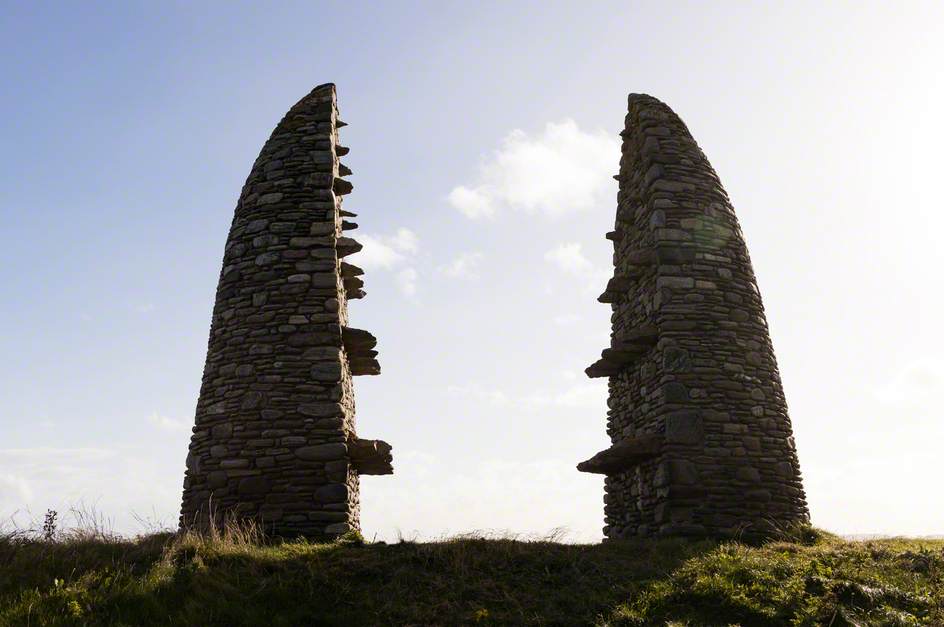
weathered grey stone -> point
(217, 479)
(332, 493)
(338, 529)
(684, 427)
(675, 282)
(746, 473)
(675, 392)
(327, 371)
(322, 452)
(222, 431)
(321, 409)
(710, 383)
(676, 360)
(253, 485)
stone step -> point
(371, 457)
(364, 366)
(356, 340)
(624, 351)
(624, 455)
(347, 246)
(349, 270)
(342, 187)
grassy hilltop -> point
(163, 579)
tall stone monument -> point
(275, 440)
(702, 443)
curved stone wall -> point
(702, 443)
(274, 439)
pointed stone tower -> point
(702, 443)
(274, 439)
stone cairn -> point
(702, 443)
(274, 439)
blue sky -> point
(483, 137)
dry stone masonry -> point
(274, 439)
(702, 443)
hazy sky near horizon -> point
(483, 139)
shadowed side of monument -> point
(702, 442)
(274, 439)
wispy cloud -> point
(570, 260)
(916, 387)
(406, 281)
(391, 252)
(166, 423)
(464, 266)
(386, 251)
(558, 171)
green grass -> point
(163, 579)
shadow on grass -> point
(458, 581)
(194, 580)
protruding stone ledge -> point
(371, 457)
(364, 366)
(352, 288)
(343, 170)
(347, 214)
(615, 289)
(347, 246)
(624, 455)
(348, 226)
(636, 261)
(349, 270)
(357, 340)
(623, 352)
(615, 236)
(342, 187)
(359, 345)
(341, 150)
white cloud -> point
(464, 266)
(916, 387)
(168, 424)
(474, 203)
(386, 251)
(405, 241)
(377, 253)
(559, 171)
(406, 281)
(390, 252)
(570, 259)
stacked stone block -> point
(274, 439)
(702, 443)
